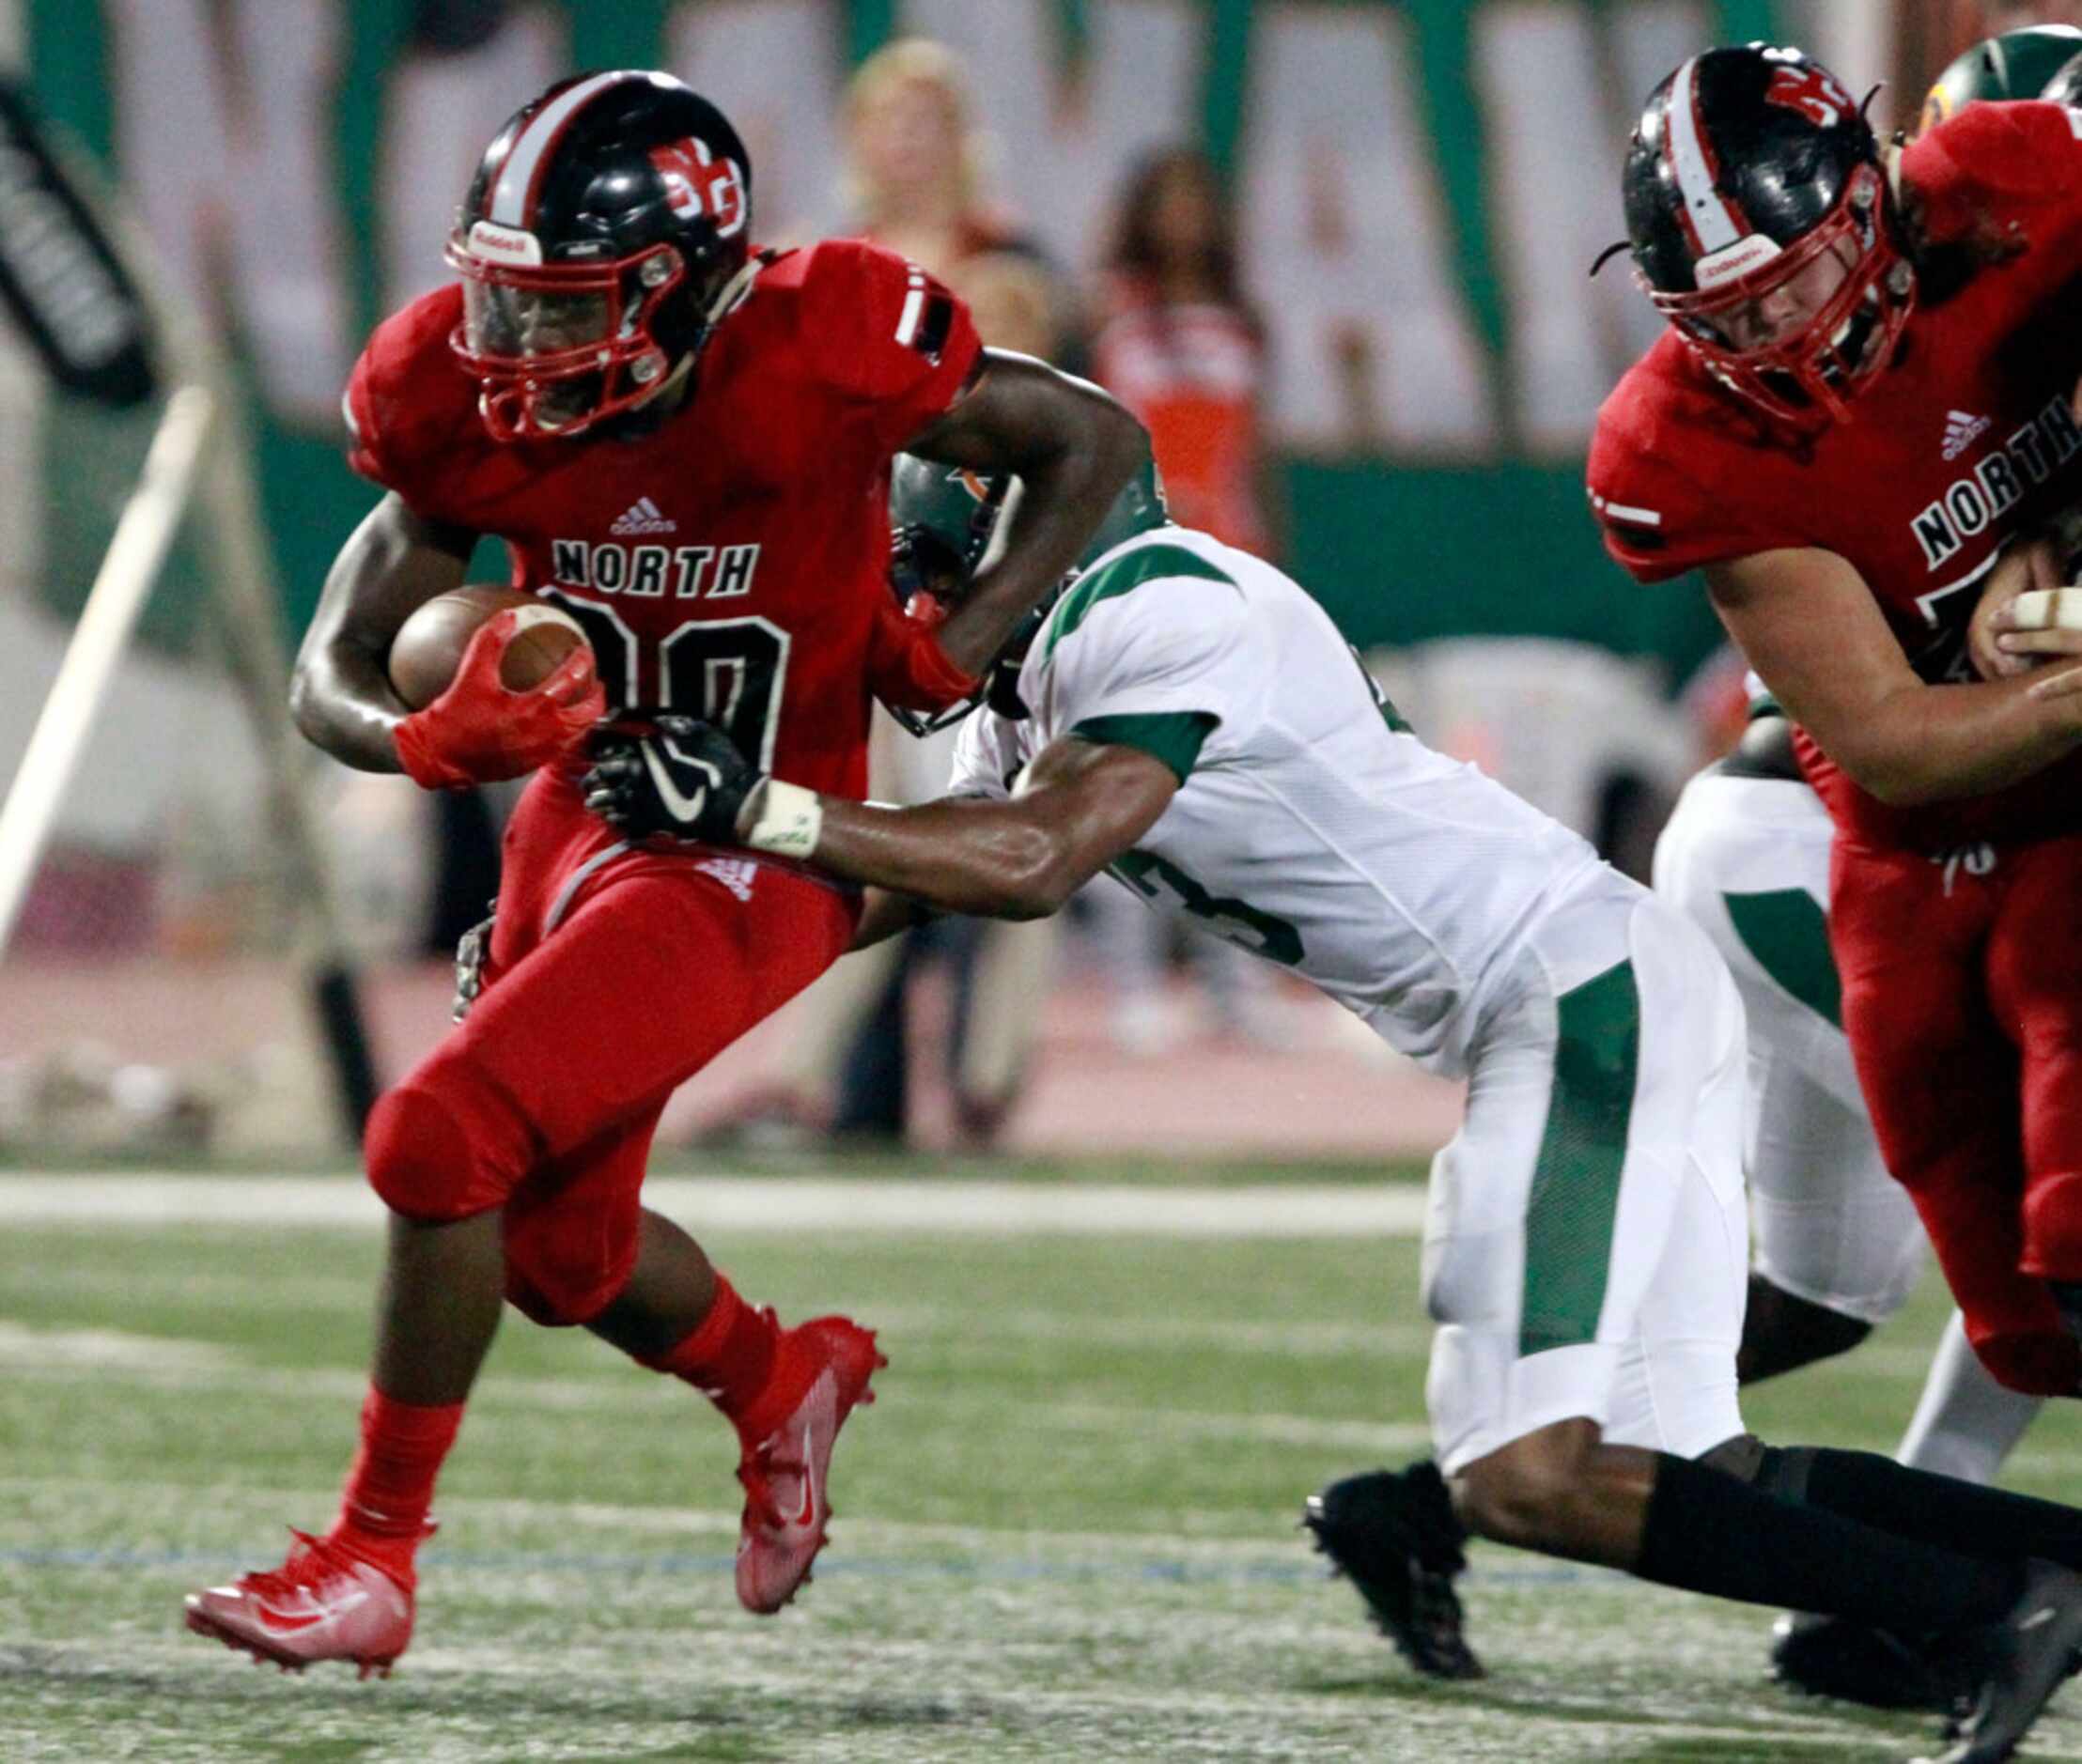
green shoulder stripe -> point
(1173, 736)
(1147, 562)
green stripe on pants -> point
(1789, 936)
(1576, 1180)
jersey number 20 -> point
(728, 671)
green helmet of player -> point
(2065, 87)
(2017, 64)
(942, 522)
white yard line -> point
(764, 1203)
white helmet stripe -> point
(1706, 214)
(509, 196)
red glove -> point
(906, 669)
(478, 731)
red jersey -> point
(1965, 438)
(732, 562)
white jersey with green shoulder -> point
(1311, 825)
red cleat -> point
(323, 1603)
(821, 1373)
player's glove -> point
(684, 780)
(478, 731)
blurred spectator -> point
(914, 161)
(1180, 346)
(2015, 15)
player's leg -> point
(1965, 1424)
(442, 1149)
(1837, 1242)
(2034, 966)
(1651, 1471)
(583, 1250)
(1943, 1083)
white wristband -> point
(790, 819)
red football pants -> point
(616, 975)
(1963, 997)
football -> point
(429, 647)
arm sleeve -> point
(906, 669)
(986, 758)
(888, 339)
(1655, 521)
(1161, 668)
(1998, 166)
(410, 415)
(361, 407)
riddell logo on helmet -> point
(1733, 262)
(504, 244)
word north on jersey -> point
(1997, 481)
(656, 572)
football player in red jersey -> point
(1864, 395)
(685, 443)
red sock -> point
(730, 1354)
(390, 1485)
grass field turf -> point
(1065, 1532)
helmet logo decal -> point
(1812, 91)
(697, 183)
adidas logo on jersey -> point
(1961, 429)
(642, 516)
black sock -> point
(1711, 1532)
(1864, 1486)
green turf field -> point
(1066, 1532)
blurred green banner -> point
(1422, 186)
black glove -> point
(685, 779)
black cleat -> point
(1832, 1656)
(2021, 1661)
(1394, 1536)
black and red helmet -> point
(1747, 166)
(605, 224)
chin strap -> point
(734, 292)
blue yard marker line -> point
(879, 1568)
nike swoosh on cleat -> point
(276, 1620)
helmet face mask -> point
(605, 224)
(1819, 363)
(557, 348)
(1751, 172)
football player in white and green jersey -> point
(1187, 718)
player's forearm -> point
(1925, 744)
(1063, 501)
(341, 696)
(885, 915)
(1072, 446)
(993, 860)
(342, 701)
